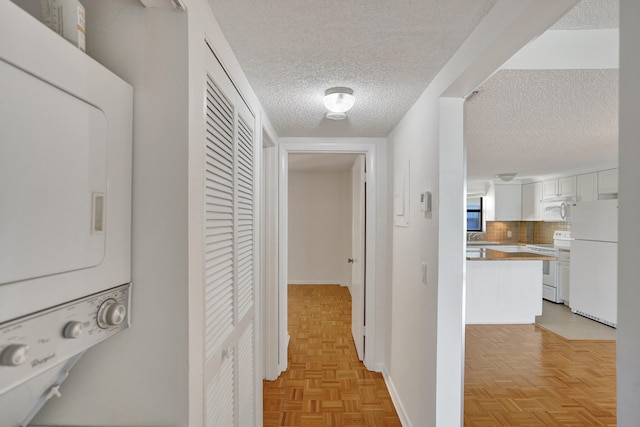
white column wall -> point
(628, 333)
(319, 228)
(414, 305)
(451, 269)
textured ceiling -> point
(532, 122)
(386, 51)
(590, 14)
(538, 122)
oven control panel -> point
(32, 344)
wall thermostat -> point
(425, 201)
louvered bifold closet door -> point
(219, 219)
(245, 217)
(229, 304)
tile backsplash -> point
(523, 231)
(498, 231)
(543, 231)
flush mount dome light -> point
(338, 101)
(506, 177)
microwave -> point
(558, 211)
(65, 170)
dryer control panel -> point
(32, 344)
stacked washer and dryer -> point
(65, 216)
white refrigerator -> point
(594, 260)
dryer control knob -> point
(111, 313)
(14, 355)
(73, 329)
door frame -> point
(308, 146)
(269, 258)
(358, 252)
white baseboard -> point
(402, 414)
(315, 282)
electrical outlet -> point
(509, 234)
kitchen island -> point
(503, 287)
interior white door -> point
(358, 279)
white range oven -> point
(65, 215)
(549, 271)
(551, 283)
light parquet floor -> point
(325, 385)
(522, 375)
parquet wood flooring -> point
(522, 375)
(325, 385)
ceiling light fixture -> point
(506, 177)
(338, 101)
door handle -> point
(350, 260)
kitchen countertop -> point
(481, 243)
(485, 254)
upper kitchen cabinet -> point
(508, 202)
(587, 186)
(532, 202)
(559, 188)
(550, 189)
(608, 182)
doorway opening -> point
(366, 151)
(326, 239)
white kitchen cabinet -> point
(608, 181)
(550, 189)
(567, 187)
(532, 201)
(508, 202)
(560, 187)
(587, 187)
(503, 292)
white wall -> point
(427, 321)
(414, 305)
(628, 333)
(319, 227)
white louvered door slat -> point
(246, 371)
(245, 218)
(229, 255)
(219, 396)
(219, 214)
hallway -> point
(325, 385)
